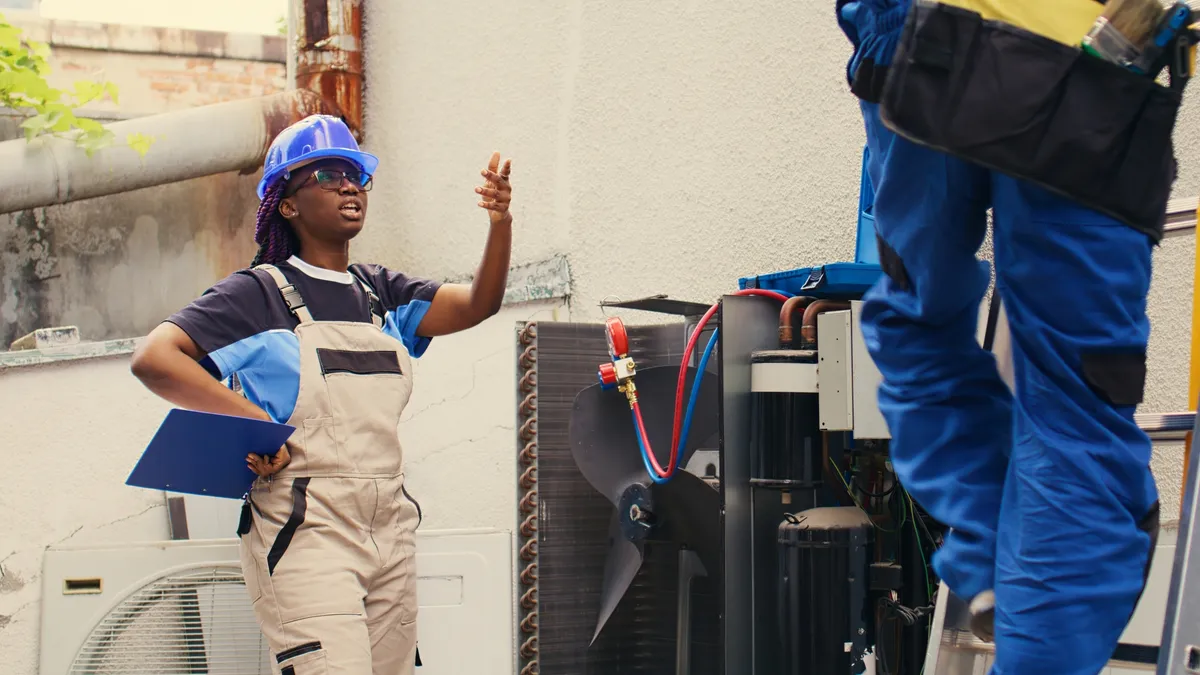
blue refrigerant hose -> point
(687, 418)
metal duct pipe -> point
(329, 61)
(191, 143)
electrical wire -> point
(908, 615)
(920, 547)
(850, 491)
(877, 495)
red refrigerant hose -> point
(683, 368)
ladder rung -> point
(1166, 426)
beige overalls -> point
(328, 544)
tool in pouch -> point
(1047, 94)
(1143, 36)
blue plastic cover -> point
(834, 280)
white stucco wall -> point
(664, 148)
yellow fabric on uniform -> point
(1065, 21)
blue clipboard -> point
(201, 453)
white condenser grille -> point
(198, 621)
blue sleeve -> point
(405, 301)
(224, 321)
(873, 27)
(402, 324)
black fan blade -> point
(620, 567)
(688, 511)
(602, 434)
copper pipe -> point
(529, 404)
(529, 550)
(528, 333)
(528, 503)
(529, 453)
(529, 526)
(529, 598)
(528, 576)
(808, 329)
(329, 57)
(786, 314)
(528, 430)
(528, 381)
(529, 357)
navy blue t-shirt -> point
(244, 326)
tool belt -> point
(1037, 108)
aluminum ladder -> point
(1163, 637)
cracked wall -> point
(70, 435)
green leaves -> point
(52, 111)
(140, 143)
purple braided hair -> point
(274, 235)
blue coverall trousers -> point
(1043, 490)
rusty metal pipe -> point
(192, 143)
(786, 314)
(328, 49)
(808, 328)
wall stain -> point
(118, 265)
(11, 582)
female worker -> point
(328, 530)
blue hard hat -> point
(314, 137)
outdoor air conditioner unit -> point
(180, 607)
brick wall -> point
(163, 245)
(160, 69)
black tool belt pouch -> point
(1022, 104)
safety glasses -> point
(331, 179)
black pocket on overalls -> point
(1036, 109)
(305, 659)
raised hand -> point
(497, 192)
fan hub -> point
(636, 511)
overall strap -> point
(376, 305)
(291, 295)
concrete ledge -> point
(543, 280)
(111, 37)
(86, 350)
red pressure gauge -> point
(607, 375)
(618, 339)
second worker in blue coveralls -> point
(1047, 492)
